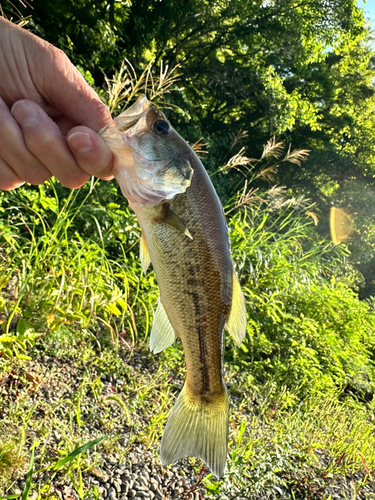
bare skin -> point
(49, 115)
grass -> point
(271, 445)
(75, 315)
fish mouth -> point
(130, 117)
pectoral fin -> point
(174, 220)
(162, 333)
(144, 254)
(236, 322)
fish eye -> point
(161, 127)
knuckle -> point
(75, 179)
(33, 172)
(37, 177)
(41, 143)
(101, 112)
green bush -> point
(307, 329)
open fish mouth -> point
(130, 117)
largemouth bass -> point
(185, 236)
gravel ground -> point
(128, 468)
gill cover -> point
(149, 166)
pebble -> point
(112, 494)
(118, 484)
(143, 480)
(124, 488)
(140, 487)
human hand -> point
(48, 115)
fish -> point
(185, 237)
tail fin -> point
(197, 427)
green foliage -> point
(71, 284)
(11, 458)
(277, 451)
(308, 331)
(64, 262)
(302, 71)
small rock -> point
(130, 483)
(141, 487)
(126, 475)
(143, 494)
(112, 494)
(132, 493)
(145, 474)
(124, 488)
(143, 480)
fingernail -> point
(25, 113)
(81, 142)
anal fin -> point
(236, 322)
(162, 333)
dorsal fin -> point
(144, 254)
(162, 333)
(236, 322)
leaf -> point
(76, 452)
(29, 475)
(7, 339)
(23, 326)
(121, 302)
(113, 309)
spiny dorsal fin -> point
(197, 427)
(236, 322)
(174, 220)
(162, 333)
(144, 254)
